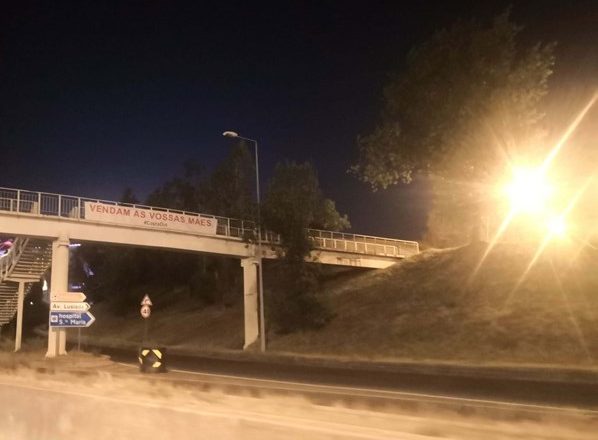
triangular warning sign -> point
(146, 301)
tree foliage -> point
(225, 192)
(230, 191)
(466, 104)
(295, 302)
(185, 192)
(293, 203)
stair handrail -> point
(10, 259)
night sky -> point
(98, 96)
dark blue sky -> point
(97, 96)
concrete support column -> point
(59, 284)
(250, 295)
(21, 299)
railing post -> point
(39, 203)
(59, 205)
(18, 200)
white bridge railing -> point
(73, 207)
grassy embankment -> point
(427, 308)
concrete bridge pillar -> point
(59, 284)
(250, 295)
(19, 331)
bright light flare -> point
(557, 226)
(528, 192)
(569, 132)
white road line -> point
(298, 423)
(404, 395)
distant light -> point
(528, 191)
(87, 269)
(30, 303)
(231, 134)
(74, 245)
(557, 226)
(45, 286)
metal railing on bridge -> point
(73, 207)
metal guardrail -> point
(73, 207)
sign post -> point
(146, 311)
(152, 359)
(68, 309)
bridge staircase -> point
(26, 262)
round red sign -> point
(146, 311)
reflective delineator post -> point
(152, 359)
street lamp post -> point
(233, 134)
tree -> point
(231, 185)
(466, 105)
(129, 196)
(293, 203)
(226, 192)
(230, 193)
(185, 192)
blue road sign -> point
(71, 319)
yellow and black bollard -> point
(152, 360)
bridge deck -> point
(73, 208)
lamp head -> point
(231, 134)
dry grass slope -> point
(427, 308)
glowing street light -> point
(557, 226)
(528, 192)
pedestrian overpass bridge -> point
(44, 225)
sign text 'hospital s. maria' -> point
(71, 319)
(149, 218)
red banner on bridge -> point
(149, 218)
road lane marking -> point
(299, 423)
(397, 395)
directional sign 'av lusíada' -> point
(69, 306)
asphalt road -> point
(581, 395)
(127, 405)
(43, 413)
